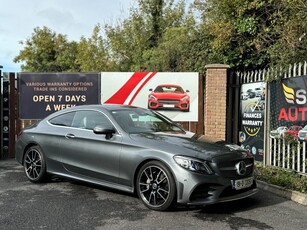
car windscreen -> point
(137, 120)
(169, 89)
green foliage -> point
(93, 55)
(237, 29)
(290, 44)
(169, 55)
(142, 41)
(47, 51)
(287, 179)
(290, 139)
(162, 35)
(127, 42)
(254, 34)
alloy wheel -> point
(154, 186)
(33, 164)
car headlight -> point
(193, 164)
(152, 97)
(185, 98)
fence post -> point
(12, 115)
(1, 111)
(200, 124)
(233, 107)
(216, 101)
(5, 121)
(267, 127)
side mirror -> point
(150, 89)
(108, 131)
(187, 91)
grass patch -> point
(284, 178)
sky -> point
(74, 18)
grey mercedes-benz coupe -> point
(135, 150)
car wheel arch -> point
(140, 165)
(35, 167)
(26, 149)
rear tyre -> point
(155, 186)
(34, 165)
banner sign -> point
(172, 94)
(289, 110)
(251, 133)
(44, 93)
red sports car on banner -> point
(169, 96)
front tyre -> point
(34, 165)
(155, 186)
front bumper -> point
(181, 105)
(198, 189)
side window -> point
(89, 119)
(63, 120)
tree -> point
(250, 34)
(93, 53)
(171, 52)
(159, 35)
(127, 42)
(153, 9)
(237, 28)
(47, 51)
(138, 43)
(291, 43)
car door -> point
(88, 155)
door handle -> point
(69, 136)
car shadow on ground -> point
(224, 207)
(258, 200)
(261, 199)
(57, 179)
(229, 213)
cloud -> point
(64, 22)
(56, 17)
(74, 18)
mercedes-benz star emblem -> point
(241, 168)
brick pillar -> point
(215, 101)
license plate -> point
(168, 106)
(241, 184)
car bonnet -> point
(178, 144)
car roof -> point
(169, 85)
(99, 107)
(105, 106)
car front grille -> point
(168, 101)
(228, 168)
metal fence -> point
(294, 70)
(279, 152)
(290, 156)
